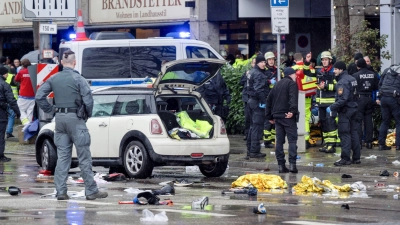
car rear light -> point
(222, 129)
(155, 127)
(196, 155)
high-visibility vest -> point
(13, 88)
(305, 83)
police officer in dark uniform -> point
(69, 89)
(367, 83)
(389, 99)
(282, 110)
(352, 69)
(244, 81)
(6, 100)
(258, 89)
(215, 92)
(346, 108)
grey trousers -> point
(72, 130)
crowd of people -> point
(17, 98)
(345, 97)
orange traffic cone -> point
(80, 29)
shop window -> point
(199, 52)
(239, 36)
(146, 61)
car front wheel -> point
(137, 162)
(49, 155)
(213, 169)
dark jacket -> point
(346, 91)
(389, 84)
(243, 82)
(352, 69)
(258, 88)
(282, 99)
(326, 96)
(7, 97)
(367, 81)
(67, 86)
(215, 91)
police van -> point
(130, 61)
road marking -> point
(308, 223)
(79, 201)
(193, 212)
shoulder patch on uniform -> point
(340, 91)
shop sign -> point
(106, 11)
(11, 14)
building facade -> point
(237, 26)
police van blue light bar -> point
(72, 36)
(184, 34)
(178, 35)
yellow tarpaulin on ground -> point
(260, 181)
(308, 184)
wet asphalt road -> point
(375, 206)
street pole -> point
(278, 56)
(45, 43)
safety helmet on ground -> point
(283, 57)
(326, 54)
(269, 55)
(291, 53)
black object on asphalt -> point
(346, 206)
(384, 173)
(346, 176)
(150, 197)
(252, 192)
(14, 190)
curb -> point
(274, 167)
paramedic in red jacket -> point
(26, 97)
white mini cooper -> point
(130, 125)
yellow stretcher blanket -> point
(308, 184)
(260, 181)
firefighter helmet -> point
(283, 57)
(326, 54)
(269, 55)
(291, 53)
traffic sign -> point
(280, 20)
(54, 10)
(279, 3)
(47, 28)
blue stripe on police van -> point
(115, 82)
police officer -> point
(245, 98)
(353, 67)
(282, 110)
(389, 99)
(272, 75)
(70, 87)
(258, 89)
(6, 100)
(367, 83)
(346, 108)
(216, 93)
(325, 97)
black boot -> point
(268, 144)
(384, 147)
(330, 149)
(283, 169)
(368, 145)
(292, 168)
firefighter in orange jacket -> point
(306, 81)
